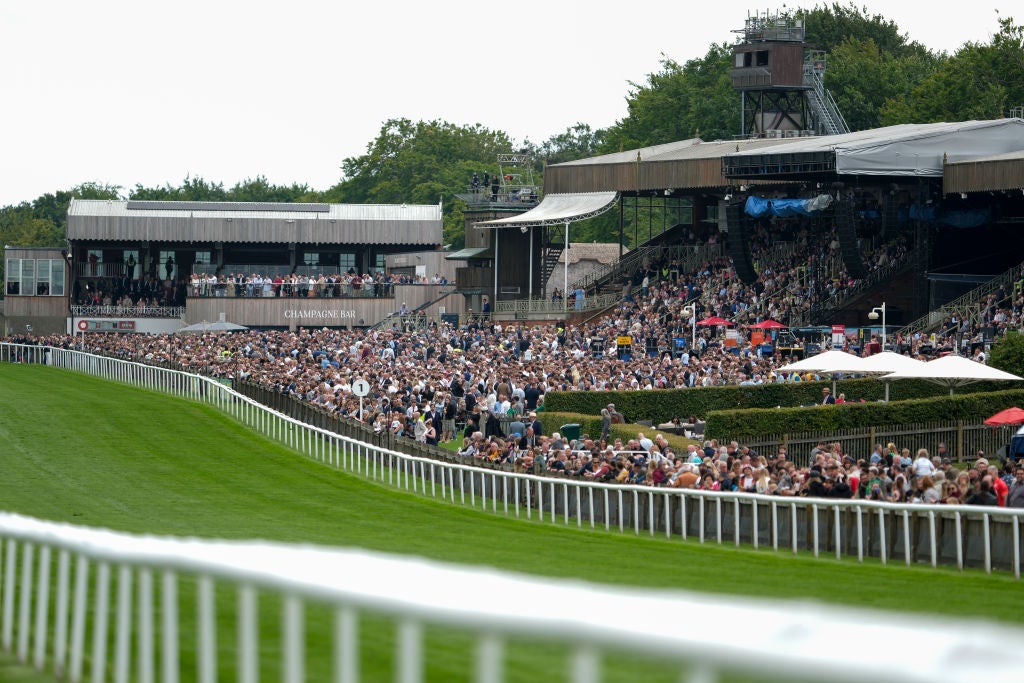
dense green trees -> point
(681, 101)
(979, 81)
(421, 163)
(878, 75)
(1008, 354)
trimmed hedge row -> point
(759, 422)
(663, 404)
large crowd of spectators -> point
(889, 473)
(971, 329)
(442, 382)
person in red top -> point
(999, 486)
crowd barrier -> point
(76, 598)
(958, 535)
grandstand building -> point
(954, 188)
(158, 266)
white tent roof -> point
(908, 149)
(887, 362)
(828, 362)
(558, 209)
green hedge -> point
(663, 404)
(760, 422)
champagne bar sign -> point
(319, 314)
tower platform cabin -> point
(780, 81)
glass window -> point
(346, 261)
(28, 276)
(43, 279)
(13, 276)
(203, 258)
(57, 275)
(311, 258)
(95, 258)
(168, 264)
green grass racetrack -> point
(95, 453)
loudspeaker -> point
(736, 243)
(847, 231)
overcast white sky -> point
(143, 92)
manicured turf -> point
(100, 454)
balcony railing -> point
(204, 290)
(128, 311)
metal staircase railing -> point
(825, 108)
(524, 307)
(965, 303)
(835, 304)
(689, 257)
(389, 320)
(607, 272)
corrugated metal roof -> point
(861, 139)
(913, 149)
(134, 204)
(694, 148)
(629, 156)
(985, 174)
(375, 212)
(1009, 156)
(414, 224)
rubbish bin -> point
(570, 432)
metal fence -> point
(963, 440)
(77, 598)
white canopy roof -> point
(558, 209)
(827, 362)
(887, 362)
(953, 371)
(912, 149)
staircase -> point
(553, 248)
(826, 112)
(388, 321)
(611, 275)
(967, 305)
(827, 313)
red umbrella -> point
(714, 320)
(1010, 416)
(768, 325)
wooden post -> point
(959, 441)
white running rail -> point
(134, 598)
(959, 535)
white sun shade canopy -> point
(558, 209)
(888, 361)
(828, 362)
(953, 370)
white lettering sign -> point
(318, 314)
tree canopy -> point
(877, 74)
